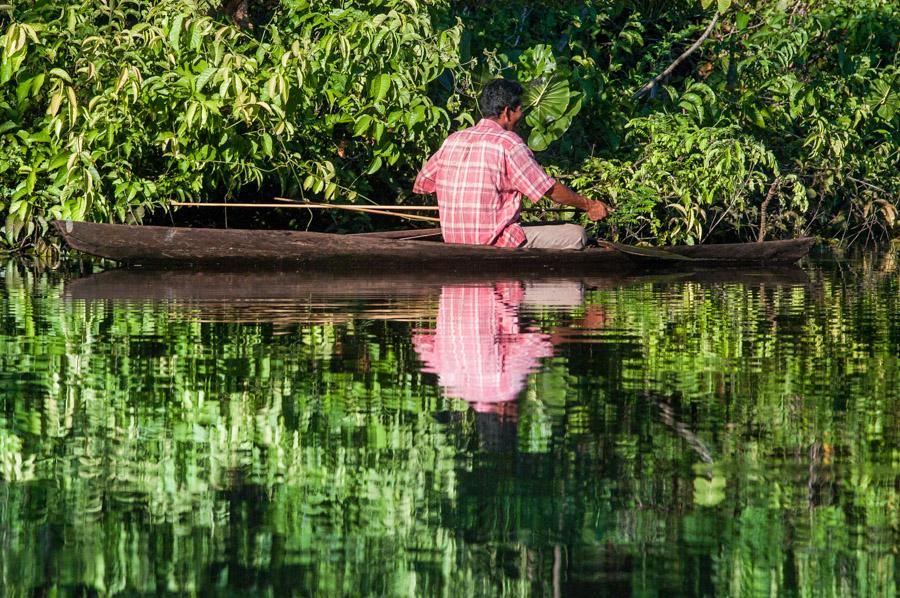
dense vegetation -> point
(783, 121)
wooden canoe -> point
(185, 247)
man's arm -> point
(426, 181)
(596, 210)
(530, 179)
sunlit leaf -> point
(379, 87)
(175, 32)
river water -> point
(707, 433)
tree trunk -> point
(238, 11)
(765, 205)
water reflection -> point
(482, 352)
(693, 434)
(479, 350)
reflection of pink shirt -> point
(477, 349)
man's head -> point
(501, 101)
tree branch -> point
(871, 186)
(655, 81)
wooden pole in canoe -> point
(383, 210)
(298, 205)
(366, 206)
(413, 208)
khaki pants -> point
(555, 236)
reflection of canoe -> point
(295, 297)
(140, 285)
(185, 246)
(291, 296)
(278, 296)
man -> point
(481, 173)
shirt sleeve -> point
(426, 181)
(526, 175)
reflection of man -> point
(477, 348)
(480, 175)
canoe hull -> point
(186, 247)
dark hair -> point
(500, 94)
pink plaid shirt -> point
(480, 175)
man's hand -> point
(597, 210)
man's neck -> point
(504, 123)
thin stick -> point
(367, 206)
(870, 185)
(654, 81)
(409, 208)
(300, 206)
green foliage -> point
(709, 174)
(112, 110)
(109, 112)
(809, 92)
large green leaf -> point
(175, 32)
(540, 139)
(362, 125)
(374, 166)
(546, 100)
(708, 492)
(548, 126)
(537, 61)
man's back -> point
(480, 175)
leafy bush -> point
(111, 110)
(688, 182)
(802, 95)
